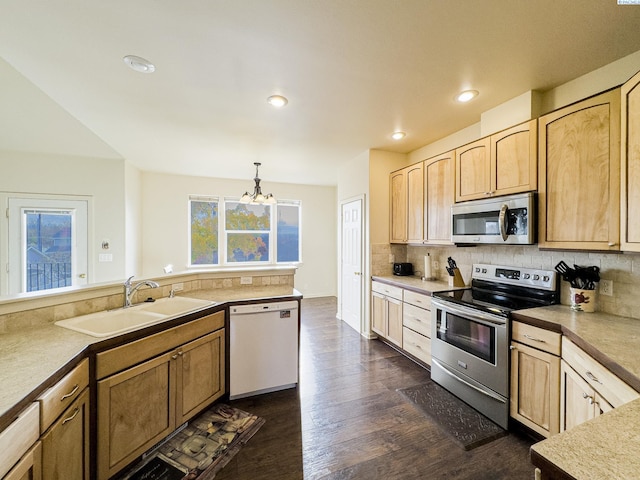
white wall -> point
(101, 179)
(165, 217)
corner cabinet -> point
(149, 387)
(630, 168)
(579, 166)
(438, 198)
(407, 205)
(535, 378)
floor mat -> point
(202, 448)
(469, 428)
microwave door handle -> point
(502, 220)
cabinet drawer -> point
(57, 398)
(417, 345)
(17, 438)
(536, 337)
(388, 290)
(418, 299)
(602, 380)
(125, 356)
(417, 319)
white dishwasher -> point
(263, 348)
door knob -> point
(83, 275)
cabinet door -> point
(630, 182)
(398, 207)
(438, 198)
(378, 313)
(136, 409)
(473, 171)
(65, 446)
(577, 401)
(514, 159)
(415, 203)
(394, 321)
(29, 467)
(535, 389)
(200, 375)
(579, 164)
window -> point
(229, 232)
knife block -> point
(456, 280)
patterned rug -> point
(468, 428)
(202, 448)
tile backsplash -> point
(621, 268)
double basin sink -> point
(113, 322)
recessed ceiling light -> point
(139, 64)
(398, 135)
(277, 101)
(466, 96)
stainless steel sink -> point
(112, 322)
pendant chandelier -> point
(257, 198)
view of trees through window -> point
(247, 231)
(48, 255)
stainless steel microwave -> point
(500, 220)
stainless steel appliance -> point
(470, 333)
(502, 220)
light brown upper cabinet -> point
(407, 205)
(630, 168)
(579, 165)
(502, 164)
(438, 198)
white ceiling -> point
(353, 70)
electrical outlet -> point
(177, 287)
(606, 287)
(246, 280)
(436, 265)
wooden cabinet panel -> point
(378, 313)
(200, 375)
(438, 198)
(473, 170)
(65, 446)
(579, 164)
(417, 345)
(29, 467)
(19, 437)
(136, 410)
(386, 314)
(418, 299)
(387, 290)
(536, 337)
(535, 389)
(577, 399)
(514, 154)
(630, 168)
(417, 319)
(415, 203)
(398, 207)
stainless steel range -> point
(470, 333)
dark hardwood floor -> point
(346, 420)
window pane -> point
(204, 233)
(247, 247)
(239, 216)
(288, 233)
(48, 245)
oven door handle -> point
(502, 221)
(483, 391)
(478, 316)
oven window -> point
(474, 338)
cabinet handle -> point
(534, 338)
(585, 396)
(75, 413)
(180, 352)
(593, 377)
(512, 347)
(612, 244)
(174, 356)
(70, 394)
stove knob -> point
(536, 277)
(527, 276)
(477, 269)
(545, 278)
(484, 270)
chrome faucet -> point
(130, 290)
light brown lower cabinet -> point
(386, 312)
(580, 402)
(416, 325)
(29, 467)
(65, 445)
(143, 404)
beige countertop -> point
(607, 446)
(415, 284)
(31, 357)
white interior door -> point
(351, 264)
(48, 244)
